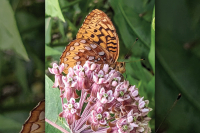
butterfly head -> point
(120, 66)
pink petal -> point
(126, 84)
(82, 74)
(50, 70)
(106, 68)
(104, 100)
(106, 115)
(99, 110)
(61, 68)
(72, 101)
(116, 93)
(112, 71)
(94, 120)
(141, 99)
(133, 125)
(140, 129)
(76, 105)
(102, 91)
(93, 113)
(130, 119)
(110, 99)
(55, 65)
(55, 85)
(87, 64)
(95, 78)
(73, 111)
(132, 88)
(141, 104)
(114, 83)
(135, 93)
(103, 122)
(145, 110)
(120, 99)
(55, 70)
(109, 93)
(99, 95)
(101, 80)
(73, 84)
(126, 97)
(101, 72)
(93, 66)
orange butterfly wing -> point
(36, 121)
(80, 50)
(98, 28)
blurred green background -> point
(22, 41)
(178, 65)
(131, 18)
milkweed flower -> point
(57, 71)
(114, 106)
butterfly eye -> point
(121, 64)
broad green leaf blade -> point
(52, 100)
(52, 8)
(177, 67)
(21, 75)
(48, 30)
(49, 128)
(53, 106)
(50, 51)
(9, 34)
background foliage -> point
(131, 18)
(177, 65)
(21, 61)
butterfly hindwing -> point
(36, 121)
(80, 50)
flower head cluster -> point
(113, 105)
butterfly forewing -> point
(80, 50)
(99, 29)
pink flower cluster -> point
(113, 106)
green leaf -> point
(152, 47)
(8, 124)
(177, 67)
(50, 51)
(53, 104)
(130, 24)
(47, 30)
(52, 9)
(21, 75)
(50, 128)
(52, 100)
(9, 34)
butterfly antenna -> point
(126, 56)
(179, 96)
(135, 60)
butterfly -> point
(96, 41)
(35, 122)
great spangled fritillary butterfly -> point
(35, 122)
(96, 41)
